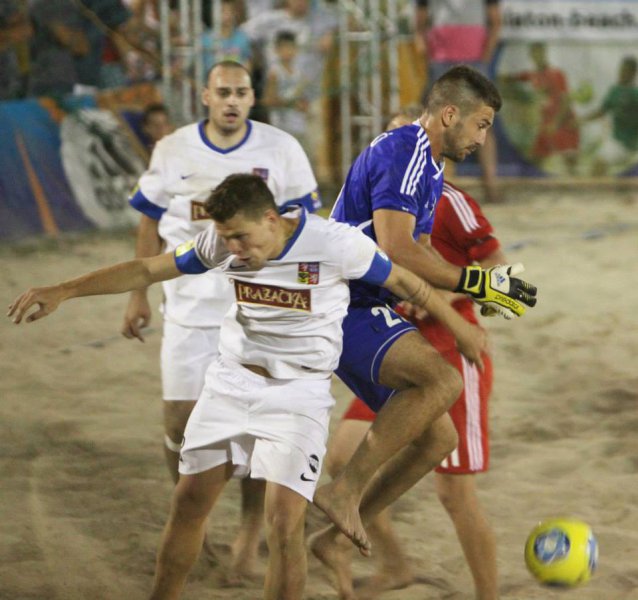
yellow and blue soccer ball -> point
(561, 552)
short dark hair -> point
(464, 87)
(240, 192)
(229, 64)
(151, 109)
(284, 37)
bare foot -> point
(344, 514)
(336, 556)
(395, 578)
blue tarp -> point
(20, 215)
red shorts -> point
(469, 414)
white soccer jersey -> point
(287, 316)
(185, 168)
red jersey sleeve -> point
(462, 233)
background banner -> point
(545, 20)
(68, 164)
(567, 71)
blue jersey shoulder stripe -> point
(379, 269)
(187, 261)
(140, 202)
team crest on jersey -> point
(308, 273)
(261, 172)
(198, 212)
(270, 295)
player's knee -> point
(455, 492)
(282, 530)
(189, 501)
(452, 382)
(442, 384)
(446, 438)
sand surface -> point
(85, 491)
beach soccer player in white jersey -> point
(185, 167)
(265, 406)
(390, 194)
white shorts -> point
(186, 354)
(272, 429)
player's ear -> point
(271, 215)
(205, 96)
(449, 114)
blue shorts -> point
(368, 333)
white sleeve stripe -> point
(413, 159)
(425, 144)
(462, 209)
(473, 412)
(418, 171)
(417, 156)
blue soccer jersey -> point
(395, 172)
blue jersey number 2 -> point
(391, 319)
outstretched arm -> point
(122, 277)
(471, 340)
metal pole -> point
(375, 70)
(165, 37)
(198, 58)
(393, 55)
(186, 60)
(345, 89)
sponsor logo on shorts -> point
(308, 273)
(313, 465)
(261, 172)
(270, 295)
(198, 212)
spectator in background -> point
(449, 32)
(69, 44)
(59, 41)
(285, 95)
(156, 123)
(141, 62)
(15, 31)
(558, 132)
(257, 7)
(104, 20)
(621, 104)
(233, 43)
(314, 25)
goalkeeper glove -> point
(496, 290)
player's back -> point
(395, 172)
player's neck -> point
(434, 135)
(287, 228)
(224, 140)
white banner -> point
(545, 20)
